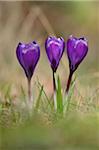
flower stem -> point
(29, 90)
(54, 85)
(54, 89)
(69, 82)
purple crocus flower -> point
(28, 56)
(54, 49)
(77, 49)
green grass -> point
(70, 127)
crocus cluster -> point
(28, 56)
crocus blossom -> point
(54, 49)
(28, 56)
(77, 49)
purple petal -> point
(54, 49)
(28, 56)
(76, 51)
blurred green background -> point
(28, 21)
